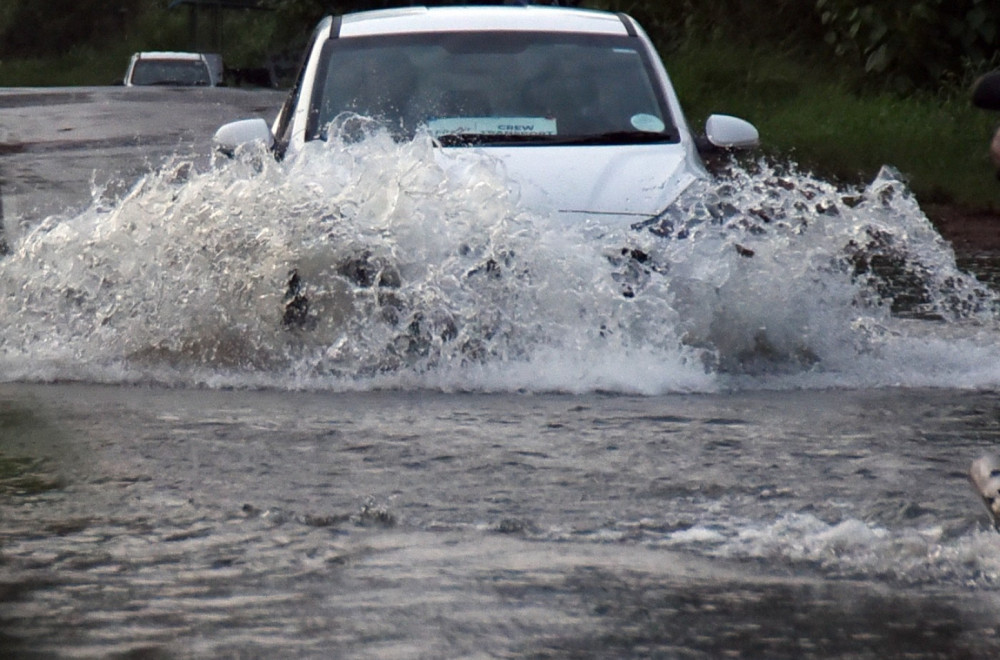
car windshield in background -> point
(495, 88)
(170, 72)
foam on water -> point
(377, 264)
(852, 549)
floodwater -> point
(744, 433)
(59, 146)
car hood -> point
(610, 183)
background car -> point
(174, 68)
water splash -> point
(374, 263)
(853, 549)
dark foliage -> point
(907, 44)
(893, 44)
(36, 29)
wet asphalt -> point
(59, 146)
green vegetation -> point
(88, 42)
(842, 87)
(80, 66)
(938, 141)
(839, 86)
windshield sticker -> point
(492, 126)
(647, 123)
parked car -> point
(174, 68)
(576, 103)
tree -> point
(912, 44)
(36, 29)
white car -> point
(174, 69)
(576, 103)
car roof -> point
(167, 55)
(480, 18)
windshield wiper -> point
(609, 138)
(175, 83)
(470, 139)
(614, 137)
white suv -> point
(576, 103)
(174, 69)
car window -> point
(170, 72)
(502, 84)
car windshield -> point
(495, 87)
(170, 72)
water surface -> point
(192, 523)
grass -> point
(80, 66)
(811, 116)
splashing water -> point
(373, 263)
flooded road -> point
(60, 145)
(175, 523)
(486, 438)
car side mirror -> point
(726, 132)
(986, 92)
(231, 136)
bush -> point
(896, 45)
(39, 29)
(907, 44)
